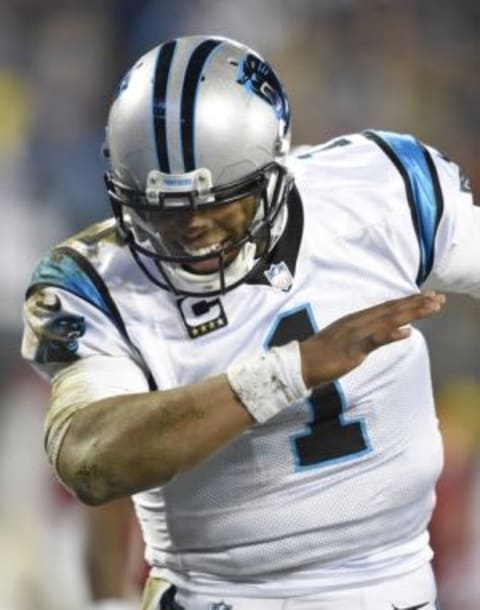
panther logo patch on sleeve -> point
(54, 331)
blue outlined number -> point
(328, 437)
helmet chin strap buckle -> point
(168, 188)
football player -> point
(213, 346)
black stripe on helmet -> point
(162, 71)
(190, 86)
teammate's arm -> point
(120, 445)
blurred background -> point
(408, 66)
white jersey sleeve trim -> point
(82, 383)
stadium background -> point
(409, 66)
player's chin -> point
(208, 266)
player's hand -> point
(345, 344)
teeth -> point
(202, 251)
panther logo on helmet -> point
(257, 76)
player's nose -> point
(193, 224)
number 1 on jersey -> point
(329, 437)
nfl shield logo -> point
(221, 606)
(279, 277)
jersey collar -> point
(288, 246)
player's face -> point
(206, 231)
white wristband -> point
(269, 383)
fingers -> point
(385, 323)
(345, 344)
(415, 307)
(403, 310)
(387, 333)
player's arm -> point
(459, 270)
(456, 266)
(444, 225)
(107, 551)
(123, 444)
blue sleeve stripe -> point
(65, 268)
(422, 185)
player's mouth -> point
(210, 264)
(204, 250)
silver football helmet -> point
(198, 122)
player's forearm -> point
(121, 445)
(125, 444)
(107, 550)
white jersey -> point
(336, 489)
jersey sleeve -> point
(457, 240)
(445, 221)
(74, 336)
